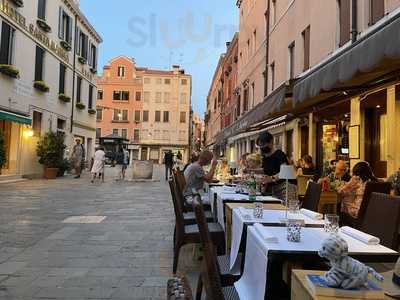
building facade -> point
(197, 133)
(330, 86)
(150, 108)
(48, 62)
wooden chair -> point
(188, 217)
(312, 196)
(180, 187)
(370, 187)
(189, 234)
(382, 219)
(210, 273)
(302, 183)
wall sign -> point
(33, 30)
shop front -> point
(332, 142)
(12, 127)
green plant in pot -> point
(3, 159)
(50, 150)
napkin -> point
(265, 234)
(244, 213)
(361, 236)
(311, 214)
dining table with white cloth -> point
(242, 217)
(223, 194)
(265, 244)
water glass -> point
(258, 211)
(331, 223)
(293, 230)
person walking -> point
(98, 164)
(169, 163)
(119, 160)
(125, 163)
(78, 157)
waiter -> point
(272, 159)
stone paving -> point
(46, 254)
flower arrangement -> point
(80, 105)
(64, 98)
(66, 45)
(41, 86)
(9, 70)
(43, 25)
(92, 111)
(19, 3)
(395, 181)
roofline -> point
(78, 13)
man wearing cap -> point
(272, 159)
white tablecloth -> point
(224, 196)
(269, 216)
(252, 284)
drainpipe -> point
(354, 31)
(73, 74)
(267, 49)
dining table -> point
(243, 217)
(219, 196)
(258, 281)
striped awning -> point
(14, 117)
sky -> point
(161, 33)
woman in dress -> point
(98, 164)
(353, 191)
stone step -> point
(11, 179)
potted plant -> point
(9, 70)
(82, 60)
(3, 159)
(80, 105)
(43, 25)
(50, 150)
(19, 3)
(64, 166)
(66, 45)
(64, 98)
(93, 70)
(41, 86)
(92, 111)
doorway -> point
(5, 128)
(143, 155)
(374, 107)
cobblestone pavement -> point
(46, 254)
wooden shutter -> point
(42, 9)
(39, 64)
(90, 96)
(377, 10)
(5, 43)
(69, 30)
(306, 39)
(61, 89)
(61, 33)
(344, 15)
(78, 41)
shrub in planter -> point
(50, 150)
(64, 98)
(82, 60)
(9, 70)
(64, 166)
(92, 111)
(93, 70)
(43, 25)
(80, 105)
(66, 45)
(41, 86)
(2, 150)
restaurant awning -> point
(15, 117)
(365, 62)
(272, 104)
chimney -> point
(228, 44)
